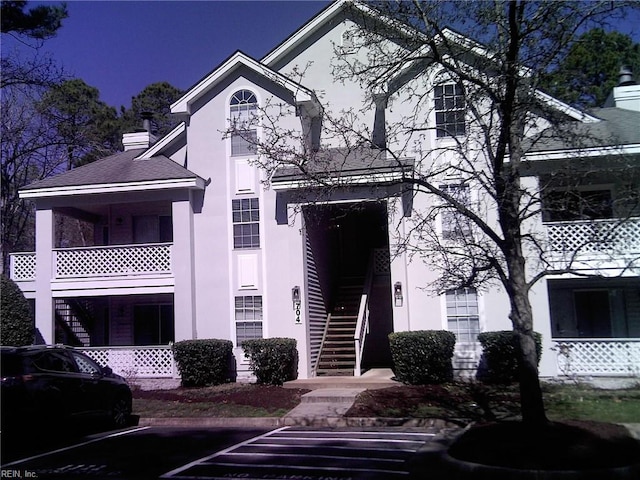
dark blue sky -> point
(121, 46)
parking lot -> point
(180, 453)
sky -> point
(122, 46)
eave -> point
(196, 183)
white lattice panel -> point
(381, 261)
(23, 266)
(136, 362)
(598, 236)
(121, 260)
(598, 357)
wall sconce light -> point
(295, 297)
(119, 221)
(397, 294)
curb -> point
(434, 425)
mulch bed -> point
(259, 396)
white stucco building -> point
(187, 243)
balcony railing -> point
(604, 357)
(23, 266)
(136, 362)
(595, 236)
(82, 262)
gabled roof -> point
(117, 173)
(240, 59)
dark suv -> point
(55, 384)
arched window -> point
(243, 109)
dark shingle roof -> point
(343, 162)
(618, 127)
(119, 168)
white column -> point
(399, 274)
(44, 273)
(182, 259)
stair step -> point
(334, 372)
(338, 364)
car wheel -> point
(121, 411)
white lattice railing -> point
(136, 362)
(381, 261)
(112, 260)
(595, 236)
(598, 356)
(23, 266)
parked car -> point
(56, 384)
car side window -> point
(85, 365)
(54, 361)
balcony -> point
(594, 238)
(98, 262)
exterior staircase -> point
(73, 319)
(338, 354)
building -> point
(183, 241)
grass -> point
(461, 402)
(584, 403)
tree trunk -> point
(531, 401)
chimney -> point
(627, 94)
(141, 138)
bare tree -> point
(488, 106)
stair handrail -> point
(324, 336)
(362, 325)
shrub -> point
(499, 360)
(272, 360)
(16, 327)
(203, 362)
(422, 357)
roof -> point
(366, 164)
(117, 170)
(617, 127)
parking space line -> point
(327, 457)
(217, 454)
(334, 447)
(304, 467)
(71, 447)
(307, 440)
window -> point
(152, 229)
(450, 110)
(569, 205)
(462, 314)
(455, 225)
(246, 226)
(593, 313)
(153, 324)
(243, 110)
(248, 318)
(85, 365)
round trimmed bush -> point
(422, 357)
(16, 322)
(500, 354)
